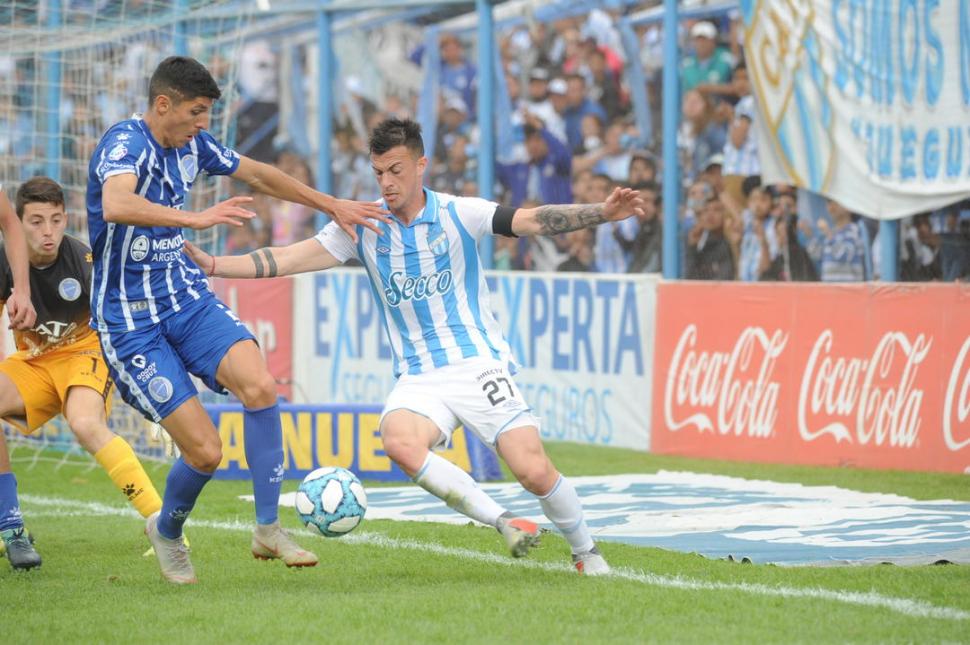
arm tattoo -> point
(562, 218)
(258, 263)
(271, 262)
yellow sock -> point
(119, 461)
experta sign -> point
(584, 345)
(315, 436)
(867, 375)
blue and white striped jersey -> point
(141, 275)
(429, 281)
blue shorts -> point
(151, 366)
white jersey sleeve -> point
(475, 214)
(337, 242)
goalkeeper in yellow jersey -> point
(59, 367)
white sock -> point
(459, 491)
(561, 505)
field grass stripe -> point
(54, 507)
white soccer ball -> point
(332, 501)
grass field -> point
(414, 582)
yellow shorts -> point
(43, 381)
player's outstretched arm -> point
(553, 219)
(20, 309)
(267, 262)
(123, 206)
(271, 181)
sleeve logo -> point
(117, 152)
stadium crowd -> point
(577, 138)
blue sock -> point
(182, 488)
(10, 517)
(264, 454)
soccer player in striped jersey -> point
(59, 367)
(158, 321)
(452, 362)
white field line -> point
(59, 507)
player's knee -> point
(259, 392)
(538, 476)
(205, 457)
(89, 430)
(404, 449)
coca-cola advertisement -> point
(876, 376)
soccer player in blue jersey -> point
(158, 321)
(452, 362)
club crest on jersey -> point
(69, 289)
(160, 389)
(189, 167)
(439, 245)
(139, 248)
(117, 152)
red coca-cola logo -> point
(865, 400)
(956, 405)
(725, 392)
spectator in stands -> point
(457, 74)
(709, 255)
(612, 158)
(741, 147)
(452, 177)
(579, 250)
(792, 263)
(538, 103)
(453, 124)
(843, 249)
(919, 250)
(642, 169)
(292, 222)
(579, 105)
(351, 171)
(700, 135)
(646, 248)
(698, 195)
(545, 177)
(759, 243)
(605, 85)
(955, 244)
(709, 66)
(612, 240)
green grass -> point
(386, 583)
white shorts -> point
(478, 394)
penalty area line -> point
(58, 507)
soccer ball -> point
(331, 500)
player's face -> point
(181, 121)
(44, 226)
(399, 174)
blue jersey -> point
(141, 275)
(427, 277)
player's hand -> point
(197, 255)
(229, 212)
(20, 311)
(622, 203)
(349, 214)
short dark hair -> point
(182, 78)
(38, 190)
(749, 183)
(391, 133)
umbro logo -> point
(383, 250)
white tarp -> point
(865, 102)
